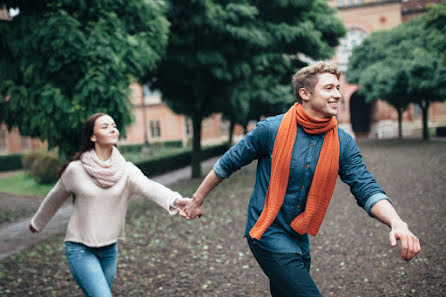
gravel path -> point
(168, 256)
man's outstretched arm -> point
(194, 209)
(410, 245)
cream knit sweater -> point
(98, 217)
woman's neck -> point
(103, 153)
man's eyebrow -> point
(332, 84)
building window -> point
(188, 125)
(3, 140)
(151, 96)
(340, 3)
(26, 143)
(155, 129)
(353, 38)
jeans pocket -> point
(74, 250)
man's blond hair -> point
(307, 77)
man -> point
(300, 153)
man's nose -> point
(337, 94)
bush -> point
(164, 164)
(28, 160)
(42, 166)
(10, 162)
(136, 148)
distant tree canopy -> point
(64, 60)
(404, 65)
(223, 55)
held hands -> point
(180, 204)
(192, 209)
(410, 245)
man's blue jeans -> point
(288, 273)
(93, 269)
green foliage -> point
(64, 60)
(44, 167)
(223, 54)
(11, 162)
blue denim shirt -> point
(258, 144)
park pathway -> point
(16, 236)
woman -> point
(102, 183)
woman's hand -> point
(180, 204)
(32, 229)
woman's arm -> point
(52, 202)
(163, 196)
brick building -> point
(377, 119)
(155, 122)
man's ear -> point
(304, 94)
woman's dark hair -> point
(86, 143)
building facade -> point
(376, 119)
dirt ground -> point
(351, 255)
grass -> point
(23, 184)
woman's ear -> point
(304, 94)
(93, 138)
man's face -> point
(323, 101)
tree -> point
(381, 72)
(64, 60)
(223, 53)
(311, 29)
(403, 65)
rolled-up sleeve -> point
(251, 147)
(353, 172)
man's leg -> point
(288, 272)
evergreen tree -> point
(222, 54)
(64, 60)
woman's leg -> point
(108, 257)
(87, 270)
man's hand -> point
(410, 245)
(194, 210)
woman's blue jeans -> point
(93, 269)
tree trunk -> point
(424, 108)
(245, 128)
(196, 146)
(231, 131)
(400, 122)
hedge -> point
(136, 148)
(11, 162)
(164, 164)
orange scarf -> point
(324, 179)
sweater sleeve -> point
(143, 186)
(52, 202)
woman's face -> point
(105, 132)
